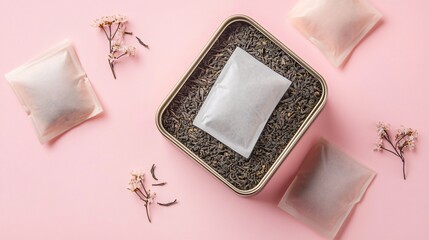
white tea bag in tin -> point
(241, 101)
(334, 26)
(326, 188)
(55, 92)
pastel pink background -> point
(75, 188)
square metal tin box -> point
(297, 109)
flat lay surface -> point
(75, 186)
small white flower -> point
(116, 45)
(137, 176)
(97, 23)
(135, 181)
(133, 185)
(381, 133)
(411, 145)
(379, 146)
(120, 18)
(117, 41)
(130, 50)
(382, 129)
(108, 20)
(150, 197)
(111, 57)
(413, 133)
(121, 32)
(382, 125)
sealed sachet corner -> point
(54, 91)
(334, 26)
(241, 101)
(326, 189)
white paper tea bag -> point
(55, 92)
(334, 26)
(326, 188)
(241, 101)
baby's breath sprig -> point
(405, 139)
(137, 186)
(114, 28)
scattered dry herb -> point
(159, 184)
(152, 171)
(142, 43)
(168, 204)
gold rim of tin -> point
(313, 114)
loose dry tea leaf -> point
(167, 204)
(295, 106)
(159, 184)
(142, 43)
(152, 171)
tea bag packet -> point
(54, 91)
(241, 101)
(326, 188)
(334, 26)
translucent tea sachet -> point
(334, 26)
(55, 91)
(326, 188)
(241, 101)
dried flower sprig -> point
(114, 28)
(405, 139)
(137, 186)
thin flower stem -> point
(110, 42)
(138, 191)
(403, 166)
(386, 136)
(112, 68)
(104, 30)
(399, 154)
(390, 151)
(147, 212)
(397, 142)
(117, 28)
(110, 39)
(391, 144)
(123, 54)
(144, 189)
